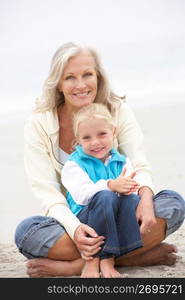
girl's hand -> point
(124, 185)
(87, 241)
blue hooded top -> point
(96, 170)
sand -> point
(165, 146)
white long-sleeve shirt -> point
(80, 186)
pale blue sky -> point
(142, 43)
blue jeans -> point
(34, 236)
(114, 217)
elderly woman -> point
(56, 243)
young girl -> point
(99, 192)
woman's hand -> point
(124, 185)
(145, 211)
(87, 241)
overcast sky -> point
(141, 42)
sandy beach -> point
(163, 128)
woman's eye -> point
(88, 74)
(69, 77)
(85, 137)
(102, 133)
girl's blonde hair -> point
(89, 112)
(51, 96)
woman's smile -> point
(81, 95)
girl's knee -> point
(105, 198)
(130, 201)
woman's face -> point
(79, 81)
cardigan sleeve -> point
(44, 179)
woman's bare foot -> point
(91, 269)
(163, 254)
(107, 268)
(44, 267)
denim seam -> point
(174, 225)
(164, 194)
(104, 247)
(25, 253)
(35, 228)
(123, 248)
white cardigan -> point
(43, 168)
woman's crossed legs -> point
(63, 259)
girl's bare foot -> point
(107, 268)
(91, 269)
(44, 267)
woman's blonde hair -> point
(89, 112)
(51, 97)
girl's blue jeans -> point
(113, 216)
(34, 236)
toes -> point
(31, 272)
(113, 275)
(175, 250)
(32, 263)
(29, 264)
(172, 258)
(117, 275)
(34, 273)
(124, 275)
(170, 247)
(34, 268)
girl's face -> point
(96, 137)
(79, 81)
